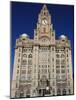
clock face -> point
(44, 21)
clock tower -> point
(44, 55)
(44, 26)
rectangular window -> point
(63, 71)
(53, 83)
(69, 83)
(17, 66)
(57, 55)
(68, 70)
(67, 60)
(67, 55)
(24, 62)
(16, 85)
(18, 60)
(17, 71)
(29, 77)
(52, 49)
(52, 59)
(57, 71)
(63, 62)
(57, 61)
(22, 78)
(53, 70)
(63, 76)
(29, 71)
(19, 54)
(29, 62)
(62, 66)
(19, 49)
(57, 77)
(17, 78)
(23, 71)
(57, 66)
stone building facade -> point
(43, 65)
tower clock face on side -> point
(44, 21)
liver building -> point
(43, 65)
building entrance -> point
(44, 87)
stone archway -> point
(44, 86)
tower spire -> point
(44, 10)
(44, 7)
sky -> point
(24, 17)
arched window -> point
(30, 56)
(24, 55)
(64, 91)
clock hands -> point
(44, 21)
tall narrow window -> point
(18, 60)
(44, 29)
(17, 71)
